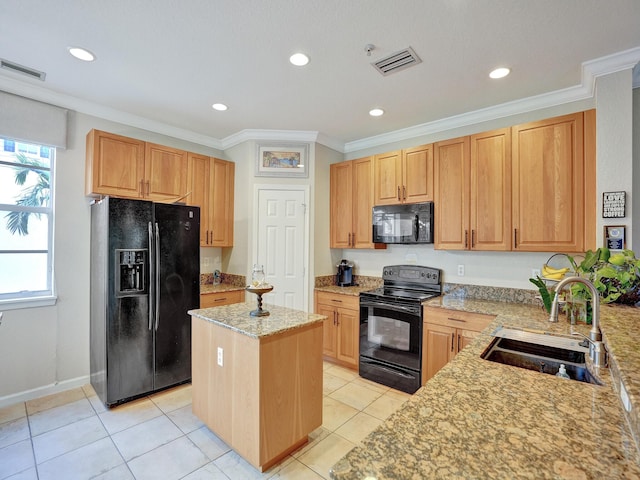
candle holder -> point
(259, 291)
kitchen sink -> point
(540, 352)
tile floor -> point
(71, 435)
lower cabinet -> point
(341, 329)
(445, 333)
(221, 298)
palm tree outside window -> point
(26, 221)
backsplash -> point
(479, 292)
(225, 278)
(495, 294)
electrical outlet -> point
(624, 397)
(220, 356)
(535, 272)
(461, 270)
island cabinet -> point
(257, 382)
(351, 200)
(341, 330)
(446, 332)
(216, 299)
(473, 192)
(130, 168)
(404, 176)
(211, 183)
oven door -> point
(391, 332)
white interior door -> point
(282, 244)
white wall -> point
(46, 349)
(636, 170)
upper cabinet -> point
(114, 165)
(473, 192)
(125, 167)
(351, 202)
(530, 188)
(212, 184)
(404, 176)
(129, 168)
(553, 197)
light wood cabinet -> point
(351, 201)
(212, 189)
(549, 188)
(264, 396)
(125, 167)
(404, 176)
(445, 333)
(216, 299)
(473, 192)
(341, 329)
(114, 165)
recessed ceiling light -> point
(82, 54)
(221, 107)
(376, 112)
(500, 72)
(299, 59)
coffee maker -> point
(344, 277)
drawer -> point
(221, 298)
(457, 319)
(337, 300)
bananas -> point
(553, 273)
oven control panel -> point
(411, 274)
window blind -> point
(32, 121)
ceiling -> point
(163, 63)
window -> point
(26, 223)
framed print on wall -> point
(282, 160)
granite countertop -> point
(477, 419)
(354, 290)
(236, 317)
(220, 288)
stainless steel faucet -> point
(597, 351)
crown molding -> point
(591, 70)
(42, 94)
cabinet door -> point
(329, 338)
(222, 203)
(451, 172)
(438, 347)
(362, 170)
(387, 175)
(114, 165)
(341, 204)
(490, 190)
(548, 188)
(417, 174)
(348, 348)
(465, 337)
(199, 192)
(165, 172)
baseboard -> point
(43, 391)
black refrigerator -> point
(145, 276)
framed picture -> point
(613, 205)
(282, 160)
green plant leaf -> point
(544, 292)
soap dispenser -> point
(562, 373)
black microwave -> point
(410, 223)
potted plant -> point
(616, 277)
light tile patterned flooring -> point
(71, 435)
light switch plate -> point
(220, 356)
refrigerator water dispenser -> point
(130, 271)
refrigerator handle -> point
(157, 261)
(152, 274)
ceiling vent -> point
(14, 67)
(397, 61)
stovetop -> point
(409, 283)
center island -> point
(257, 381)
